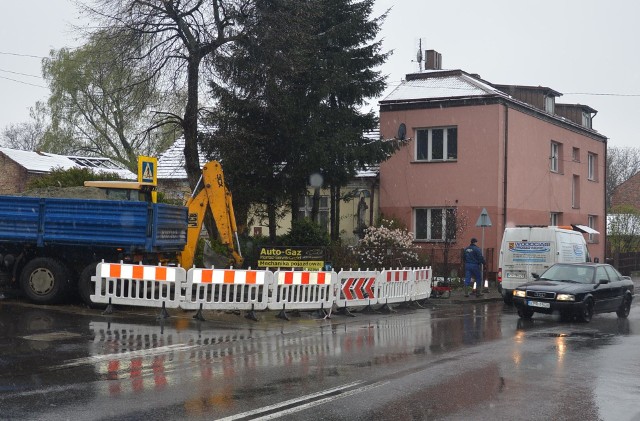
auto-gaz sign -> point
(310, 258)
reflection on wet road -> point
(443, 362)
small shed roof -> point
(44, 162)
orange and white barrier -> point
(254, 290)
(395, 286)
(226, 289)
(356, 288)
(302, 290)
(422, 284)
(138, 285)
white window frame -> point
(592, 161)
(555, 218)
(429, 148)
(575, 192)
(591, 223)
(324, 207)
(586, 119)
(554, 157)
(429, 234)
(550, 104)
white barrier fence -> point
(255, 290)
(138, 285)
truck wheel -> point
(44, 280)
(86, 287)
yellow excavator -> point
(212, 193)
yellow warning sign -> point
(147, 170)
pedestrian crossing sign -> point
(147, 170)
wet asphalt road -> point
(447, 361)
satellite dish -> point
(402, 131)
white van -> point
(527, 250)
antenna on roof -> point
(419, 55)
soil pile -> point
(79, 192)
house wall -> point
(627, 193)
(477, 179)
(14, 177)
(366, 188)
(471, 183)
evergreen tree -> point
(289, 99)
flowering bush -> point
(386, 246)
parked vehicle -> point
(525, 250)
(575, 290)
(50, 247)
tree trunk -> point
(273, 222)
(335, 231)
(190, 123)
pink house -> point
(474, 145)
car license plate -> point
(538, 304)
(516, 275)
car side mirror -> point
(603, 281)
(535, 276)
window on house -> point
(586, 120)
(437, 144)
(306, 207)
(576, 154)
(550, 104)
(592, 161)
(556, 153)
(575, 192)
(434, 224)
(592, 222)
(555, 218)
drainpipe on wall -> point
(506, 162)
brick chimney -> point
(433, 60)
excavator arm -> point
(212, 193)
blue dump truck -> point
(50, 246)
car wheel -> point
(45, 280)
(625, 307)
(525, 313)
(587, 311)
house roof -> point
(438, 86)
(171, 162)
(442, 84)
(44, 162)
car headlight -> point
(518, 293)
(565, 297)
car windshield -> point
(569, 273)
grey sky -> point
(585, 49)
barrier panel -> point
(138, 285)
(226, 289)
(394, 286)
(356, 288)
(422, 284)
(302, 290)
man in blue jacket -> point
(473, 260)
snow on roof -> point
(457, 84)
(171, 162)
(44, 162)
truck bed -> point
(143, 226)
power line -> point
(21, 74)
(20, 55)
(24, 83)
(600, 94)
